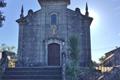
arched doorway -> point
(54, 54)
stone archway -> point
(53, 54)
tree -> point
(102, 59)
(9, 49)
(95, 63)
(4, 47)
(72, 68)
(2, 17)
(10, 52)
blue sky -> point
(105, 30)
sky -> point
(105, 29)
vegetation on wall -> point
(72, 68)
(73, 44)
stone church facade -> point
(44, 34)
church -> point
(44, 34)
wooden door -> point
(54, 54)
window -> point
(53, 19)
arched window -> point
(53, 19)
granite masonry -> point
(44, 34)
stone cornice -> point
(21, 20)
(43, 1)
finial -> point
(22, 12)
(86, 13)
(78, 10)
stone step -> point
(33, 72)
(34, 69)
(32, 77)
(39, 73)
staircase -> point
(41, 73)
